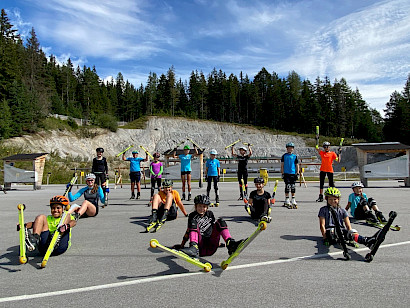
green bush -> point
(106, 121)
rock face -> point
(162, 134)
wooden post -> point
(362, 161)
(201, 169)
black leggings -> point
(329, 176)
(210, 179)
(243, 174)
(153, 182)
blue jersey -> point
(185, 162)
(212, 165)
(289, 161)
(86, 192)
(354, 201)
(135, 165)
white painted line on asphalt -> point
(175, 276)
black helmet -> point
(167, 183)
(259, 180)
(100, 150)
(202, 199)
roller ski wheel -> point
(369, 257)
(21, 207)
(267, 219)
(224, 265)
(153, 243)
(43, 264)
(22, 260)
(207, 267)
(216, 204)
(212, 204)
(347, 256)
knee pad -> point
(371, 202)
(287, 188)
(331, 235)
(292, 188)
(221, 224)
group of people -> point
(204, 230)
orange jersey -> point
(327, 161)
(175, 196)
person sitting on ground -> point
(204, 231)
(361, 207)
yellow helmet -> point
(333, 191)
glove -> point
(317, 146)
(218, 178)
(175, 149)
(326, 242)
(283, 176)
(297, 176)
(206, 178)
(63, 228)
(339, 151)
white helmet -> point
(90, 176)
(357, 184)
(243, 148)
(213, 152)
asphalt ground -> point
(110, 262)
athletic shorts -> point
(45, 239)
(135, 176)
(185, 172)
(172, 213)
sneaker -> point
(247, 209)
(138, 196)
(232, 245)
(294, 202)
(266, 218)
(32, 240)
(76, 216)
(183, 196)
(189, 197)
(132, 196)
(370, 218)
(371, 240)
(240, 197)
(192, 251)
(320, 199)
(381, 217)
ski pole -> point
(195, 144)
(124, 150)
(317, 137)
(232, 144)
(146, 151)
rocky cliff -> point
(161, 134)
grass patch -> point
(139, 123)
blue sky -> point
(366, 42)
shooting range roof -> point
(32, 156)
(383, 146)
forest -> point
(33, 86)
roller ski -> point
(242, 245)
(70, 185)
(339, 233)
(216, 204)
(152, 222)
(381, 225)
(287, 203)
(244, 195)
(56, 236)
(22, 234)
(106, 192)
(380, 237)
(293, 203)
(272, 200)
(180, 254)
